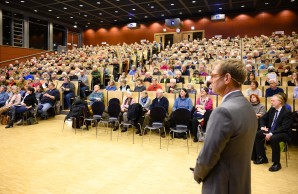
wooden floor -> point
(40, 159)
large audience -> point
(181, 69)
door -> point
(197, 35)
(169, 40)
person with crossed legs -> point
(275, 128)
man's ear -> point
(227, 78)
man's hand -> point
(264, 128)
(267, 136)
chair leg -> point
(187, 143)
(133, 134)
(143, 132)
(95, 121)
(119, 127)
(159, 139)
(150, 134)
(189, 137)
(110, 131)
(75, 120)
(168, 141)
(286, 152)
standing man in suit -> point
(275, 127)
(223, 164)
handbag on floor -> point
(4, 109)
(4, 119)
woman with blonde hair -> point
(13, 100)
(124, 108)
(294, 80)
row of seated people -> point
(171, 96)
(171, 86)
(18, 102)
(198, 104)
(286, 78)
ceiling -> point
(96, 13)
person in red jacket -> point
(154, 85)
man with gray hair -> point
(273, 89)
(83, 81)
(230, 135)
(159, 101)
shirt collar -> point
(223, 99)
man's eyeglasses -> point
(215, 75)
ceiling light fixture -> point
(242, 6)
(180, 13)
(146, 16)
(75, 26)
(70, 17)
(116, 11)
(58, 17)
(192, 28)
(81, 5)
(50, 10)
(101, 21)
(115, 20)
(220, 8)
(35, 10)
(164, 30)
(199, 10)
(22, 1)
(292, 0)
(193, 1)
(172, 4)
(152, 7)
(100, 13)
(64, 7)
(129, 18)
(6, 1)
(266, 3)
(85, 15)
(162, 15)
(133, 9)
(86, 26)
(98, 2)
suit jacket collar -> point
(283, 109)
(232, 95)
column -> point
(26, 32)
(50, 35)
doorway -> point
(169, 39)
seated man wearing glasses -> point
(275, 127)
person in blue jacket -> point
(183, 101)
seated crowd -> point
(182, 69)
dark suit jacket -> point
(181, 79)
(163, 102)
(283, 123)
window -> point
(38, 34)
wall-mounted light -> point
(192, 28)
(164, 30)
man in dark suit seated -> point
(275, 127)
(159, 101)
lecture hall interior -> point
(105, 56)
